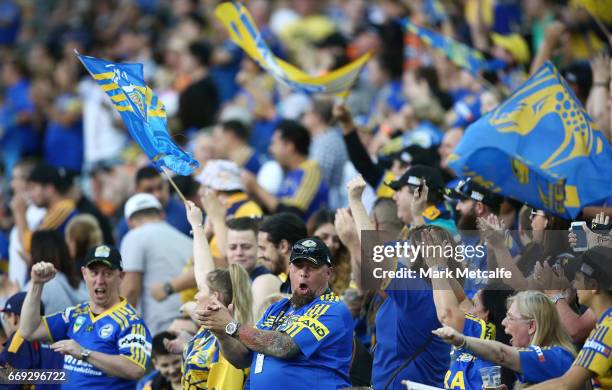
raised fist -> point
(42, 272)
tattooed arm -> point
(268, 342)
(272, 343)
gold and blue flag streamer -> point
(243, 31)
(460, 54)
(540, 147)
(142, 112)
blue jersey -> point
(323, 330)
(464, 371)
(539, 364)
(403, 325)
(22, 354)
(303, 188)
(117, 331)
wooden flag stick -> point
(174, 185)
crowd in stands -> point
(254, 272)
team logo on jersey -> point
(78, 323)
(597, 347)
(106, 331)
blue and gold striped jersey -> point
(464, 370)
(304, 189)
(323, 331)
(117, 331)
(205, 368)
(595, 353)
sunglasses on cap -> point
(535, 212)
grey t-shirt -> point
(160, 252)
(58, 294)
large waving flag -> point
(460, 54)
(242, 30)
(540, 147)
(142, 112)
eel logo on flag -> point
(539, 147)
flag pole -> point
(180, 194)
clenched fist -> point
(42, 272)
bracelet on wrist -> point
(601, 84)
(464, 343)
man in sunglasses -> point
(419, 199)
(304, 342)
(476, 202)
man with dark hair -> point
(475, 201)
(277, 234)
(47, 188)
(593, 282)
(167, 374)
(149, 180)
(327, 148)
(232, 143)
(302, 188)
(152, 251)
(192, 113)
(304, 342)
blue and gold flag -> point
(540, 147)
(142, 112)
(460, 54)
(243, 31)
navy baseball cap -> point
(15, 303)
(313, 250)
(595, 264)
(104, 254)
(415, 175)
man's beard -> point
(467, 221)
(299, 300)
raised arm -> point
(31, 325)
(202, 259)
(357, 152)
(215, 212)
(446, 301)
(492, 231)
(490, 350)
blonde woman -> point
(203, 364)
(82, 233)
(540, 349)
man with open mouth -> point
(303, 342)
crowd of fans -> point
(257, 279)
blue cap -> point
(15, 303)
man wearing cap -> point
(594, 361)
(153, 251)
(47, 188)
(19, 353)
(419, 199)
(304, 342)
(105, 343)
(476, 202)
